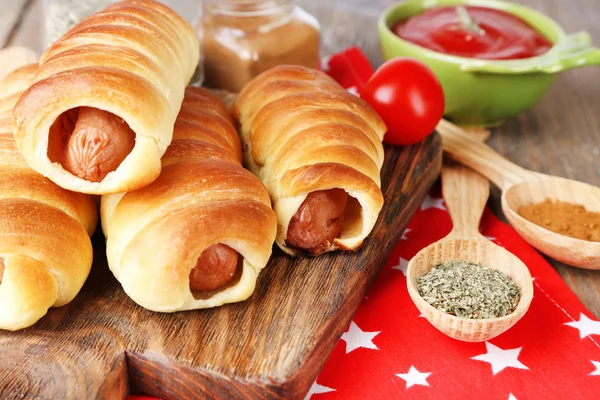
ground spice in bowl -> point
(469, 290)
(565, 218)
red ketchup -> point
(474, 32)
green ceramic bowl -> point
(486, 92)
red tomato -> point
(408, 97)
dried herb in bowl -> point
(469, 290)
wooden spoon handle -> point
(466, 192)
(479, 156)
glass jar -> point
(242, 38)
(62, 15)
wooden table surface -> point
(559, 136)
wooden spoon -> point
(466, 194)
(521, 187)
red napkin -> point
(390, 352)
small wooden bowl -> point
(482, 252)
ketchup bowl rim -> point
(385, 22)
(486, 92)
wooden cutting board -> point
(104, 346)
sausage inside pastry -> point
(100, 112)
(45, 248)
(198, 236)
(318, 149)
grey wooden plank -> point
(10, 10)
(30, 32)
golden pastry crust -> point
(45, 246)
(302, 132)
(202, 197)
(133, 60)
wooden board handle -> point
(466, 193)
(479, 156)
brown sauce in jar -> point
(241, 39)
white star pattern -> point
(511, 397)
(404, 237)
(586, 326)
(414, 377)
(356, 338)
(325, 63)
(402, 266)
(432, 202)
(317, 389)
(597, 365)
(500, 359)
(353, 90)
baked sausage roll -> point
(100, 113)
(45, 249)
(318, 149)
(198, 236)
